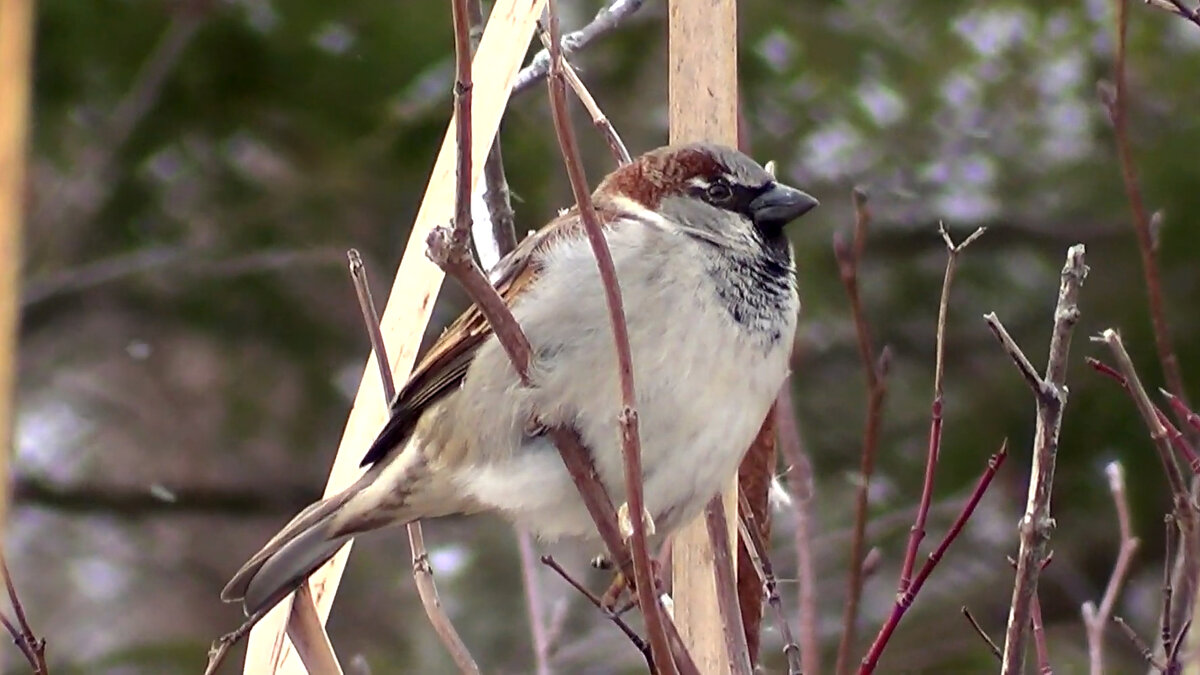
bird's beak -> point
(779, 205)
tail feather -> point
(289, 557)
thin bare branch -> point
(1182, 445)
(917, 532)
(1096, 619)
(982, 633)
(606, 21)
(539, 629)
(1039, 637)
(1158, 431)
(599, 119)
(422, 571)
(1051, 394)
(636, 639)
(1171, 536)
(905, 599)
(1118, 115)
(727, 600)
(759, 558)
(1139, 644)
(496, 195)
(1176, 7)
(32, 647)
(875, 369)
(628, 418)
(800, 484)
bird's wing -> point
(443, 367)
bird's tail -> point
(289, 557)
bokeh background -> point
(190, 339)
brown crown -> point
(664, 171)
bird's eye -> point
(719, 192)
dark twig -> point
(1118, 115)
(32, 647)
(221, 646)
(905, 599)
(606, 21)
(800, 484)
(875, 368)
(1139, 644)
(1096, 619)
(727, 600)
(636, 639)
(496, 195)
(757, 550)
(628, 419)
(498, 198)
(421, 569)
(1170, 538)
(1176, 7)
(1051, 395)
(982, 633)
(917, 532)
(1174, 666)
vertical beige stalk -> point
(16, 41)
(410, 304)
(702, 97)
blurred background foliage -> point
(191, 342)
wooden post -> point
(702, 99)
(16, 38)
(410, 304)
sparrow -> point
(709, 286)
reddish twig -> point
(449, 248)
(875, 369)
(1095, 619)
(32, 647)
(628, 419)
(1181, 409)
(1150, 417)
(905, 599)
(1182, 446)
(421, 569)
(599, 119)
(636, 639)
(1160, 428)
(1051, 394)
(800, 484)
(727, 600)
(935, 416)
(1039, 638)
(1118, 115)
